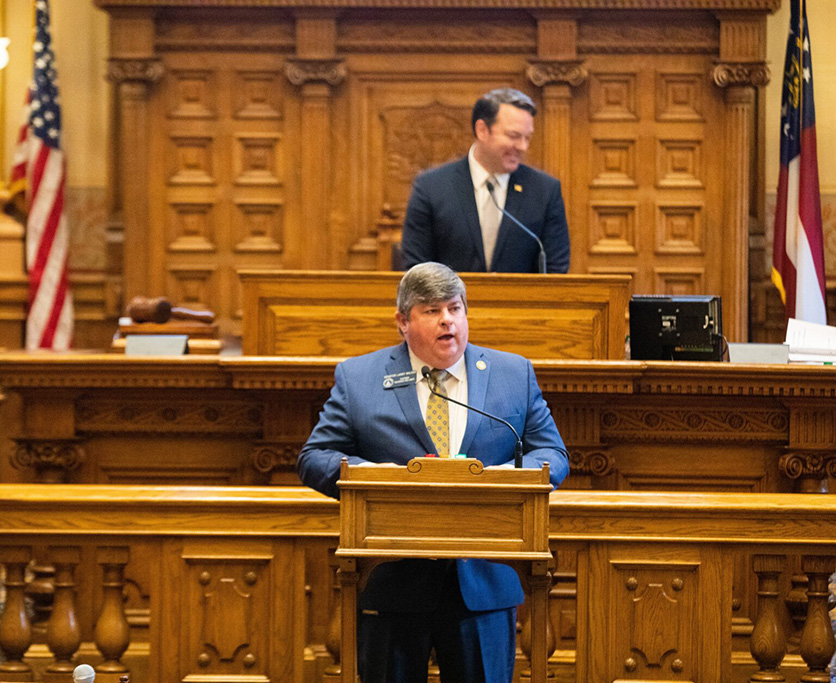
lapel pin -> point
(481, 364)
(517, 188)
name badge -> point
(399, 379)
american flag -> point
(40, 169)
(798, 249)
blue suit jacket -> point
(365, 422)
(442, 222)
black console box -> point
(676, 328)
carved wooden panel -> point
(649, 614)
(651, 177)
(220, 124)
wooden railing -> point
(239, 582)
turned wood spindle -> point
(63, 636)
(15, 629)
(768, 642)
(817, 642)
(112, 632)
(333, 672)
(525, 634)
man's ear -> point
(401, 320)
(482, 129)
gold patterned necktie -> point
(438, 416)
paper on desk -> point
(816, 342)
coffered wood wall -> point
(283, 133)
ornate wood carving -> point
(699, 423)
(302, 71)
(741, 73)
(181, 417)
(149, 70)
(768, 644)
(595, 461)
(547, 72)
(52, 460)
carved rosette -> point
(595, 461)
(303, 71)
(148, 70)
(808, 464)
(726, 74)
(56, 456)
(273, 457)
(542, 73)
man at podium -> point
(380, 411)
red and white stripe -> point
(49, 324)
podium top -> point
(444, 472)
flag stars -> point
(807, 74)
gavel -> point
(159, 310)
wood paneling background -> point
(284, 134)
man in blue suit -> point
(381, 410)
(452, 217)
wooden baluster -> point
(817, 642)
(112, 632)
(768, 642)
(15, 629)
(333, 673)
(62, 632)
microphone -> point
(84, 673)
(518, 449)
(541, 260)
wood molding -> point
(738, 5)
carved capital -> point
(542, 73)
(50, 459)
(808, 464)
(755, 74)
(273, 457)
(595, 461)
(302, 71)
(149, 70)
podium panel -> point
(342, 314)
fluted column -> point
(817, 642)
(768, 643)
(810, 456)
(63, 635)
(315, 70)
(15, 629)
(556, 70)
(134, 69)
(112, 632)
(740, 70)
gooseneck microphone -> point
(518, 449)
(541, 260)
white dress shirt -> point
(484, 204)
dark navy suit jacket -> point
(442, 222)
(365, 422)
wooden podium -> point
(446, 508)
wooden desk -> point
(333, 313)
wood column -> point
(740, 70)
(817, 642)
(63, 634)
(768, 643)
(15, 629)
(315, 70)
(556, 71)
(134, 68)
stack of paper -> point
(811, 342)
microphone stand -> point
(541, 257)
(518, 448)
